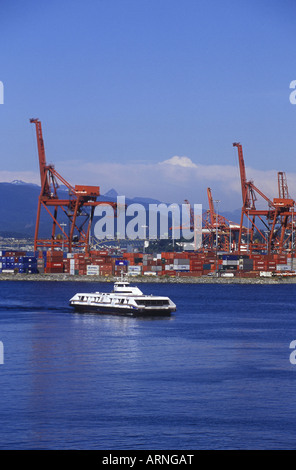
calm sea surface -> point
(216, 375)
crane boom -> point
(283, 185)
(211, 206)
(191, 214)
(244, 183)
(41, 155)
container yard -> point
(166, 264)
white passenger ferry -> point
(123, 300)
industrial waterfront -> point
(146, 279)
(261, 245)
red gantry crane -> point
(249, 197)
(277, 222)
(215, 227)
(77, 209)
(221, 230)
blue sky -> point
(147, 96)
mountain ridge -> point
(19, 207)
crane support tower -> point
(72, 215)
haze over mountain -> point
(19, 201)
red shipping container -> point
(183, 255)
(53, 264)
(79, 256)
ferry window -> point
(152, 303)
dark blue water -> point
(216, 375)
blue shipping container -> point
(230, 257)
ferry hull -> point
(122, 311)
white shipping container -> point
(134, 272)
(283, 267)
(92, 270)
(169, 267)
(230, 262)
(180, 267)
(134, 268)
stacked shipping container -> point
(54, 262)
(101, 263)
(18, 262)
(96, 263)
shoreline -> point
(145, 279)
